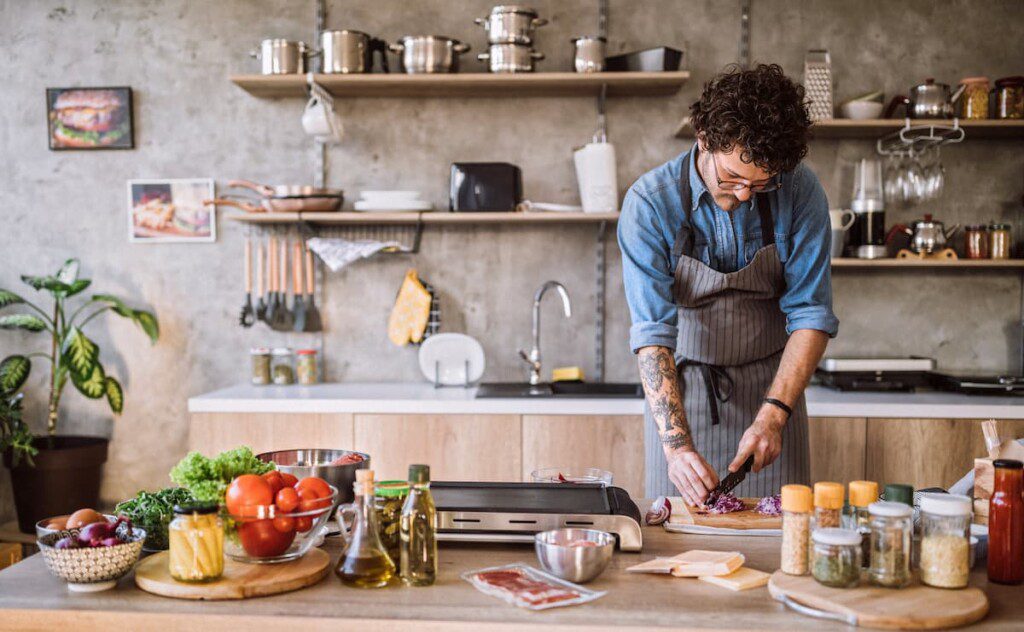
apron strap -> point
(717, 383)
(764, 211)
(683, 244)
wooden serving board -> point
(239, 581)
(746, 518)
(916, 607)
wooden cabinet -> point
(211, 433)
(837, 447)
(614, 443)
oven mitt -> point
(409, 316)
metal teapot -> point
(927, 100)
(928, 235)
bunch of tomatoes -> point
(263, 509)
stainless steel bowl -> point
(317, 462)
(562, 553)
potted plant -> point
(55, 474)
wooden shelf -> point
(465, 85)
(874, 128)
(436, 217)
(942, 264)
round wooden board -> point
(239, 581)
(916, 607)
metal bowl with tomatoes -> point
(275, 517)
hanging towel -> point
(338, 253)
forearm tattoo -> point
(661, 386)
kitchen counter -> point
(422, 398)
(32, 599)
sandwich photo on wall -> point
(90, 118)
(171, 211)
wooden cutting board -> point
(747, 518)
(239, 581)
(915, 607)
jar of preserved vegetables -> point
(306, 366)
(836, 557)
(945, 540)
(891, 529)
(999, 240)
(1010, 97)
(974, 100)
(282, 366)
(389, 496)
(259, 360)
(976, 241)
(196, 543)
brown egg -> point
(59, 523)
(83, 517)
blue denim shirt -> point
(652, 214)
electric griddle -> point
(514, 512)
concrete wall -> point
(191, 122)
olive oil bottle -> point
(419, 530)
(365, 562)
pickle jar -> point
(945, 540)
(1010, 98)
(259, 361)
(999, 241)
(196, 543)
(891, 542)
(306, 368)
(282, 366)
(974, 100)
(836, 557)
(389, 496)
(976, 241)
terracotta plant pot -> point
(66, 477)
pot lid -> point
(429, 37)
(1010, 81)
(514, 8)
(974, 80)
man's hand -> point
(691, 475)
(763, 439)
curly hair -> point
(761, 111)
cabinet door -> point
(211, 433)
(920, 452)
(837, 446)
(613, 443)
(457, 447)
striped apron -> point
(731, 336)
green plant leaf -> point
(149, 324)
(8, 297)
(78, 286)
(49, 283)
(14, 371)
(115, 395)
(81, 353)
(94, 386)
(68, 272)
(116, 304)
(28, 322)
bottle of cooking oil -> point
(419, 530)
(365, 562)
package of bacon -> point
(528, 587)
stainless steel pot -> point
(319, 462)
(282, 57)
(928, 235)
(351, 52)
(589, 53)
(419, 54)
(505, 58)
(511, 24)
(927, 100)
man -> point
(725, 254)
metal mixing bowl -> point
(561, 554)
(317, 462)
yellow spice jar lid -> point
(796, 498)
(863, 493)
(828, 495)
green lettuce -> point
(207, 479)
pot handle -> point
(461, 47)
(245, 206)
(537, 56)
(948, 233)
(262, 189)
(896, 102)
(539, 22)
(897, 228)
(482, 22)
(255, 54)
(380, 46)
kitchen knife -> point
(730, 482)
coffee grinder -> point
(867, 235)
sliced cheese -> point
(660, 565)
(411, 312)
(739, 579)
(699, 563)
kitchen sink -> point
(560, 389)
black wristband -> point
(780, 405)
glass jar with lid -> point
(974, 100)
(891, 529)
(836, 557)
(389, 496)
(306, 366)
(1010, 97)
(196, 543)
(282, 365)
(999, 240)
(862, 494)
(259, 362)
(976, 241)
(796, 528)
(945, 540)
(828, 504)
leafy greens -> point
(207, 479)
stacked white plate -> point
(383, 201)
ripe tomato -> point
(289, 479)
(303, 524)
(318, 485)
(310, 501)
(287, 499)
(284, 524)
(260, 538)
(246, 493)
(275, 480)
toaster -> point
(485, 186)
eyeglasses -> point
(736, 185)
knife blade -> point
(730, 482)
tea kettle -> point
(926, 235)
(927, 100)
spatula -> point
(261, 271)
(283, 319)
(271, 282)
(298, 303)
(312, 313)
(247, 316)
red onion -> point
(66, 543)
(659, 512)
(725, 503)
(770, 506)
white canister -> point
(595, 173)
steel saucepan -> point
(282, 57)
(508, 58)
(511, 24)
(351, 52)
(307, 204)
(425, 54)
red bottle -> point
(1006, 524)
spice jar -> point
(1005, 520)
(999, 240)
(196, 543)
(945, 540)
(306, 366)
(282, 365)
(796, 528)
(862, 494)
(1010, 97)
(389, 496)
(836, 557)
(828, 505)
(259, 360)
(976, 241)
(974, 100)
(891, 526)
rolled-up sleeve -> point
(807, 301)
(646, 274)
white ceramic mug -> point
(841, 219)
(321, 121)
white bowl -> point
(860, 110)
(386, 197)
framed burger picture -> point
(171, 210)
(90, 118)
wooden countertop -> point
(31, 599)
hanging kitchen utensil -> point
(272, 299)
(283, 318)
(248, 316)
(312, 322)
(261, 275)
(411, 313)
(298, 302)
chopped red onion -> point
(725, 503)
(659, 512)
(770, 506)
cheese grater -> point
(818, 84)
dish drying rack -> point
(913, 140)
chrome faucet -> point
(533, 358)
